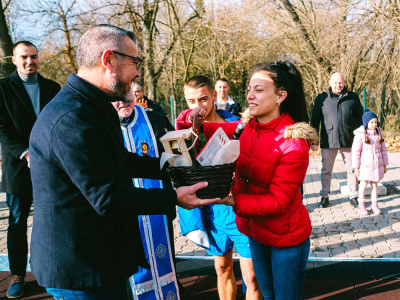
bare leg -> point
(226, 281)
(249, 277)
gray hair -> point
(139, 85)
(100, 38)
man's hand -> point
(314, 147)
(384, 169)
(26, 156)
(187, 199)
(357, 172)
(202, 115)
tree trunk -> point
(6, 45)
(150, 13)
(68, 44)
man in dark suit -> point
(23, 94)
(338, 112)
(85, 238)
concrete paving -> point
(339, 232)
(343, 244)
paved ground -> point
(339, 236)
(338, 231)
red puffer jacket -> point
(270, 170)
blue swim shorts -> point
(219, 222)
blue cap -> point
(368, 116)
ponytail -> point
(287, 78)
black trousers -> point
(17, 240)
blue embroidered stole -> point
(160, 281)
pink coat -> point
(369, 158)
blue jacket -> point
(232, 107)
(85, 230)
(191, 221)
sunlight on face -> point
(200, 97)
(262, 98)
(124, 109)
(26, 59)
(336, 83)
(222, 89)
(372, 124)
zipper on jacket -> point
(251, 154)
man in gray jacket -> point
(339, 113)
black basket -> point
(219, 179)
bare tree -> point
(6, 66)
(161, 20)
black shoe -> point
(354, 201)
(324, 202)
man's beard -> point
(117, 89)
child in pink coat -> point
(369, 158)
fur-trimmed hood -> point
(359, 130)
(301, 130)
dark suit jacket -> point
(16, 121)
(338, 118)
(154, 106)
(233, 107)
(85, 231)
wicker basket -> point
(219, 179)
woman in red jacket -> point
(270, 170)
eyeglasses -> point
(137, 59)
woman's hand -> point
(384, 169)
(357, 172)
(228, 200)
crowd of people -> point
(87, 155)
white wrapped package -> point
(227, 154)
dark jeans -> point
(115, 292)
(17, 240)
(280, 271)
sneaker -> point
(354, 201)
(16, 288)
(324, 202)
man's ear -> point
(107, 59)
(215, 96)
(13, 60)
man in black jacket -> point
(338, 112)
(223, 100)
(23, 94)
(85, 236)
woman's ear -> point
(281, 96)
